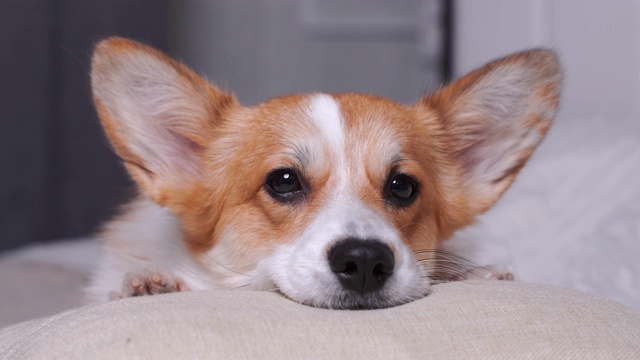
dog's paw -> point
(491, 272)
(148, 282)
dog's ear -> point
(494, 117)
(158, 114)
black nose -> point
(361, 265)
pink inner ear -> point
(491, 158)
(184, 153)
(185, 143)
(494, 142)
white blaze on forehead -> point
(324, 112)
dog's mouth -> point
(366, 302)
(349, 300)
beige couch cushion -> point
(500, 320)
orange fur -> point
(232, 148)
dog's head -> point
(335, 200)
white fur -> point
(299, 269)
(324, 113)
(148, 238)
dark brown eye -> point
(284, 185)
(401, 190)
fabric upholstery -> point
(492, 319)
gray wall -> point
(261, 49)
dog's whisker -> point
(437, 252)
(493, 271)
(436, 262)
(276, 289)
(449, 269)
(239, 287)
(444, 261)
(448, 272)
(233, 271)
(441, 265)
(443, 254)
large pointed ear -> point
(158, 114)
(495, 117)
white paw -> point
(148, 282)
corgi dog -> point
(334, 200)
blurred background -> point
(59, 176)
(571, 219)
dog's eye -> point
(283, 184)
(401, 189)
